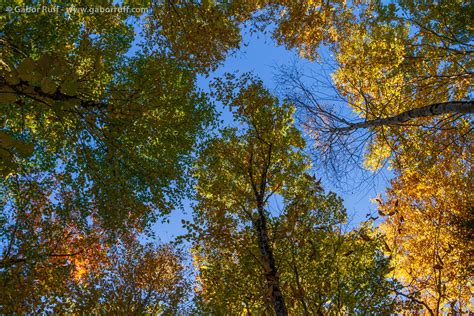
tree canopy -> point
(252, 258)
(97, 128)
(104, 130)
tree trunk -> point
(461, 107)
(271, 273)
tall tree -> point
(251, 258)
(74, 97)
(40, 236)
(95, 138)
(255, 164)
(81, 273)
(405, 71)
(395, 64)
(428, 223)
(132, 279)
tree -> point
(397, 66)
(75, 98)
(322, 271)
(404, 70)
(265, 155)
(39, 239)
(428, 223)
(200, 33)
(57, 259)
(252, 259)
(133, 279)
(95, 139)
(90, 274)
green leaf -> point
(69, 87)
(48, 86)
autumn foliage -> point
(106, 129)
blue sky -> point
(263, 57)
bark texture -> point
(461, 107)
(271, 273)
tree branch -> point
(461, 107)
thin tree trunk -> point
(271, 273)
(298, 283)
(461, 107)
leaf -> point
(24, 149)
(45, 63)
(48, 86)
(12, 78)
(7, 97)
(69, 87)
(26, 70)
